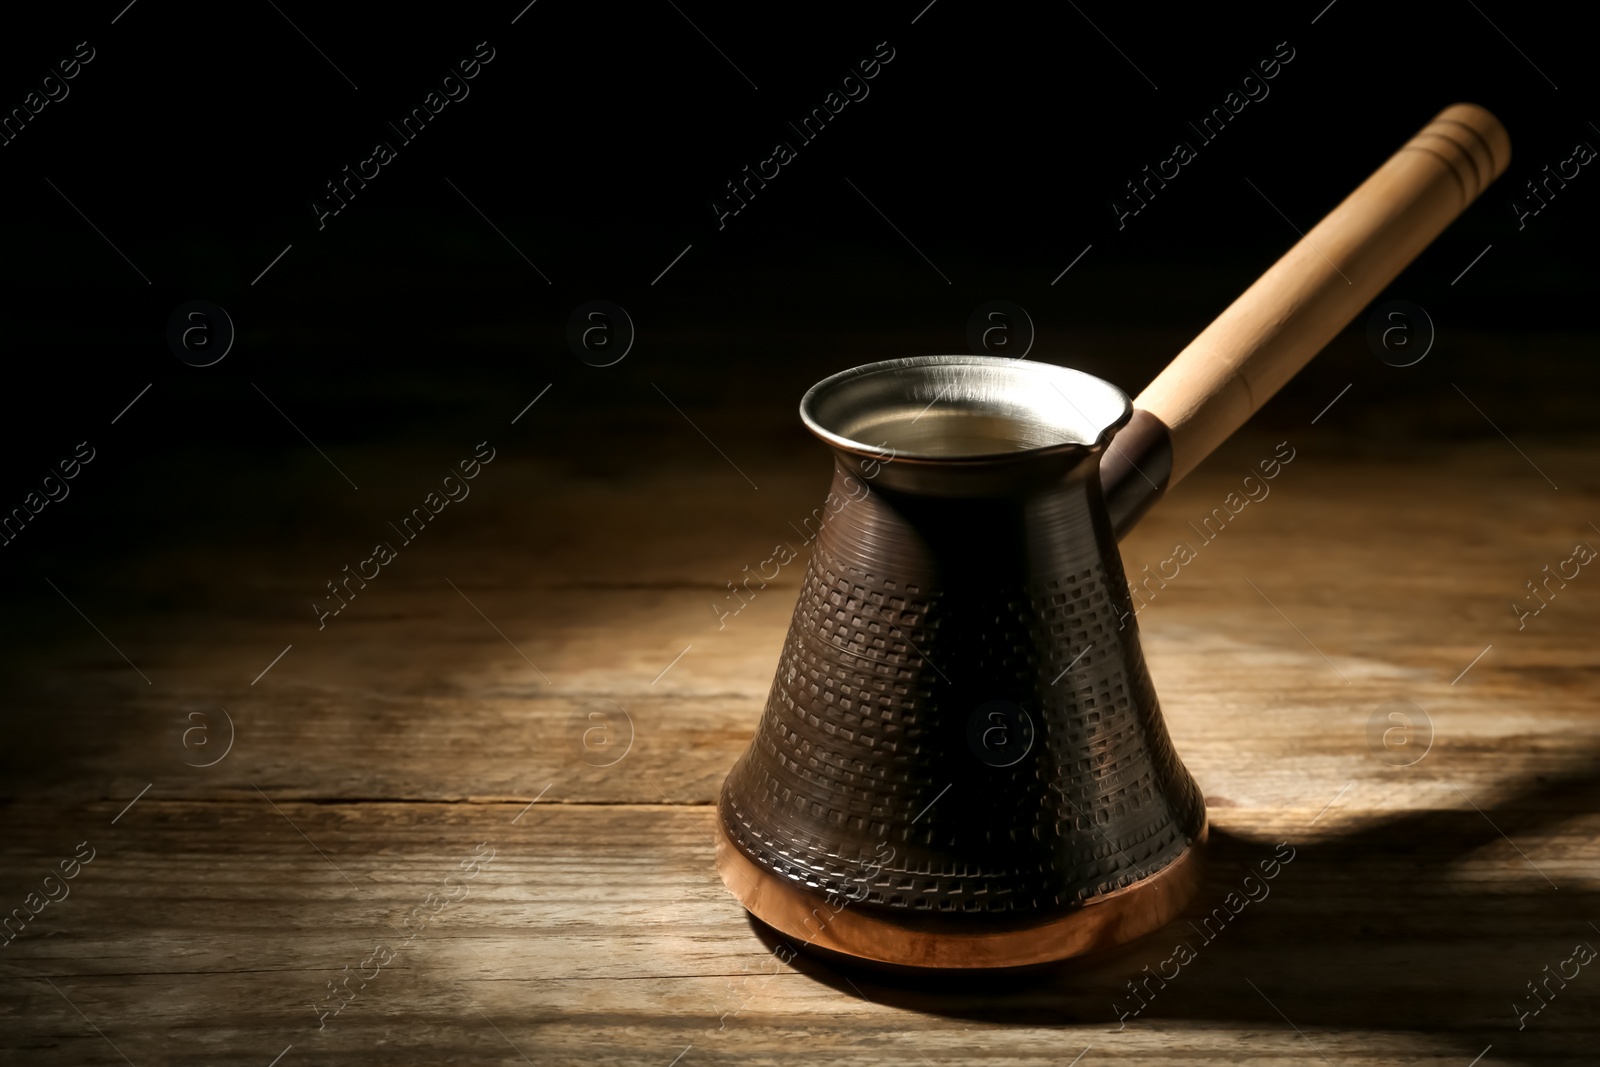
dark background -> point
(595, 140)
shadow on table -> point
(1373, 930)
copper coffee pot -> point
(962, 763)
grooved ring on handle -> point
(1464, 137)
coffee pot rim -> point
(1010, 388)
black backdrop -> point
(982, 162)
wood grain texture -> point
(381, 752)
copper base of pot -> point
(949, 944)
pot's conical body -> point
(962, 762)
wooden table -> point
(441, 717)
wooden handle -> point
(1320, 284)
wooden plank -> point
(195, 918)
(207, 927)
